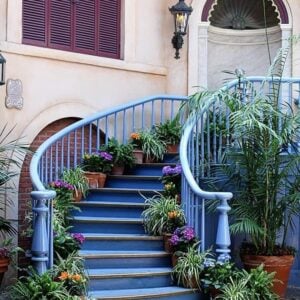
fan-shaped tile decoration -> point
(243, 14)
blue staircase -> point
(121, 260)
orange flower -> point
(76, 277)
(172, 214)
(63, 276)
(135, 136)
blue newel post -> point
(42, 239)
(223, 235)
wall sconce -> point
(2, 69)
(181, 13)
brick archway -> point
(25, 186)
(283, 13)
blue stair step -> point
(171, 158)
(151, 169)
(125, 259)
(109, 209)
(133, 278)
(85, 224)
(121, 194)
(168, 292)
(126, 242)
(134, 182)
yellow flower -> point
(64, 276)
(135, 136)
(76, 277)
(168, 186)
(172, 214)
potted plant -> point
(171, 178)
(147, 141)
(135, 141)
(8, 253)
(162, 215)
(122, 155)
(243, 285)
(189, 267)
(96, 167)
(169, 133)
(77, 179)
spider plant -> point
(190, 266)
(163, 215)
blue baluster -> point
(40, 238)
(223, 235)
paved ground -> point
(293, 294)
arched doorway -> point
(231, 34)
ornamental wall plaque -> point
(14, 90)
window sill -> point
(33, 51)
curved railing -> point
(205, 139)
(66, 148)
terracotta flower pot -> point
(172, 148)
(190, 283)
(77, 196)
(118, 170)
(4, 262)
(279, 264)
(174, 260)
(95, 179)
(167, 245)
(139, 155)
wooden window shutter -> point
(34, 22)
(60, 24)
(109, 28)
(85, 26)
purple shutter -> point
(85, 26)
(109, 28)
(34, 22)
(60, 24)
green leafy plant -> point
(170, 131)
(71, 272)
(162, 215)
(254, 285)
(122, 153)
(12, 153)
(38, 287)
(99, 161)
(190, 266)
(76, 178)
(217, 274)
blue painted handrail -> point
(66, 148)
(202, 148)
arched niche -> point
(213, 49)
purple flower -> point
(4, 252)
(106, 155)
(188, 233)
(168, 170)
(78, 237)
(58, 184)
(174, 240)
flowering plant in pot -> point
(171, 178)
(122, 155)
(76, 178)
(182, 238)
(169, 132)
(96, 165)
(147, 141)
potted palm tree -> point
(266, 199)
(260, 169)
